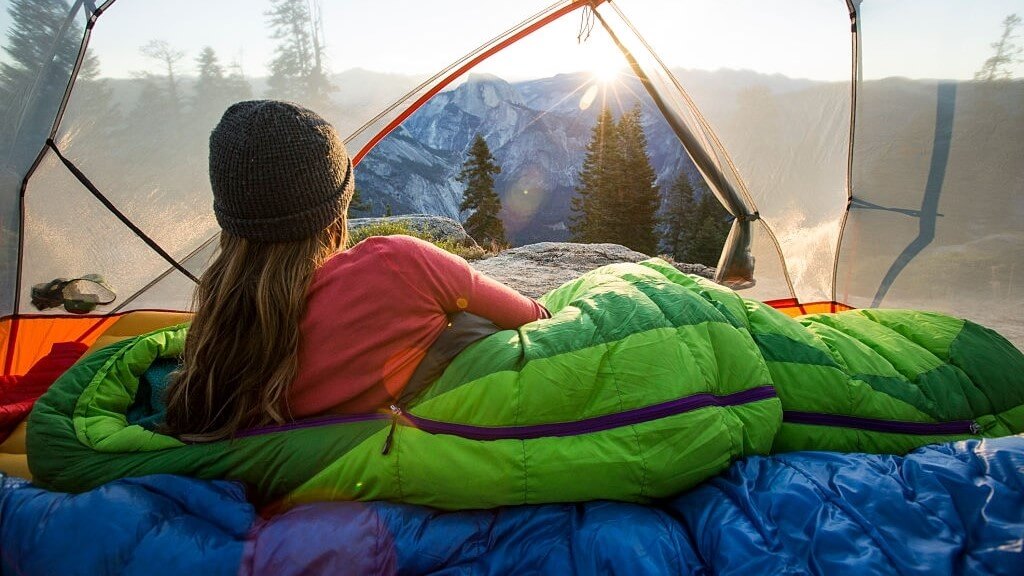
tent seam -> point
(84, 181)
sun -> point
(604, 71)
(602, 59)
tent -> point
(892, 178)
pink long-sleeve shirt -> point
(373, 311)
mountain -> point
(538, 131)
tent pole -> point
(855, 78)
(736, 266)
(432, 86)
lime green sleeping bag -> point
(643, 383)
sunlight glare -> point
(589, 96)
(605, 72)
(602, 59)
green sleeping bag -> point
(643, 383)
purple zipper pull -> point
(395, 413)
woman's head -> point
(281, 181)
(279, 172)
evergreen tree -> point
(637, 197)
(157, 143)
(31, 83)
(617, 198)
(236, 84)
(711, 228)
(154, 124)
(297, 71)
(147, 134)
(999, 66)
(92, 119)
(478, 172)
(210, 82)
(168, 58)
(358, 204)
(589, 217)
(679, 217)
(214, 91)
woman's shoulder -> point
(400, 241)
(397, 245)
(399, 250)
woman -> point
(288, 323)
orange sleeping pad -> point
(13, 459)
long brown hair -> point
(241, 352)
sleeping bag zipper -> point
(627, 418)
(596, 423)
(578, 427)
(531, 431)
(395, 413)
(957, 427)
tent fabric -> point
(861, 191)
(935, 184)
(32, 98)
(802, 512)
(520, 413)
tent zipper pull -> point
(395, 413)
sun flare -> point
(601, 58)
(604, 71)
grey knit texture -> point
(279, 172)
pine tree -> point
(154, 124)
(589, 218)
(617, 198)
(158, 138)
(358, 204)
(637, 197)
(484, 224)
(711, 227)
(168, 58)
(92, 119)
(999, 66)
(210, 82)
(214, 91)
(236, 84)
(297, 71)
(679, 217)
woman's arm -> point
(457, 287)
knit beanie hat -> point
(279, 172)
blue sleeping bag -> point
(944, 509)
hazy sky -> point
(798, 38)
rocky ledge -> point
(537, 268)
(532, 269)
(439, 227)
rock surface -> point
(532, 269)
(537, 268)
(438, 227)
